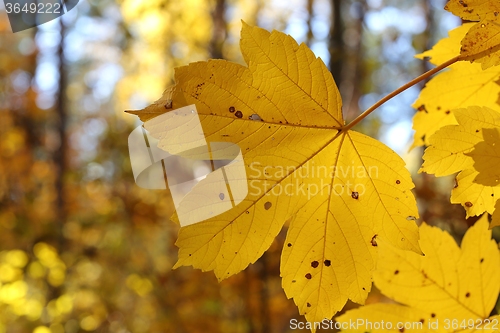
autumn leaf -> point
(450, 289)
(341, 191)
(486, 156)
(463, 84)
(482, 42)
(449, 152)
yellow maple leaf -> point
(486, 156)
(450, 289)
(340, 190)
(449, 152)
(482, 42)
(463, 84)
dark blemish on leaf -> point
(355, 195)
(255, 117)
(190, 254)
(422, 108)
(289, 244)
(293, 281)
(402, 329)
(236, 252)
(424, 274)
(467, 295)
(169, 103)
(364, 288)
(327, 263)
(398, 182)
(439, 108)
(411, 218)
(314, 264)
(221, 196)
(374, 240)
(477, 131)
(239, 114)
(396, 272)
(463, 3)
(232, 109)
(481, 261)
(468, 204)
(247, 212)
(422, 320)
(447, 112)
(308, 305)
(308, 276)
(267, 205)
(433, 315)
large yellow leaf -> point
(340, 190)
(482, 42)
(463, 84)
(449, 152)
(447, 290)
(486, 156)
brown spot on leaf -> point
(422, 108)
(327, 262)
(267, 205)
(239, 114)
(289, 244)
(398, 181)
(468, 204)
(481, 261)
(232, 109)
(308, 305)
(314, 264)
(402, 329)
(255, 117)
(433, 315)
(355, 195)
(374, 240)
(168, 104)
(396, 272)
(467, 295)
(447, 112)
(308, 276)
(422, 320)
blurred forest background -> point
(82, 248)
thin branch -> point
(398, 91)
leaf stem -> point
(398, 91)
